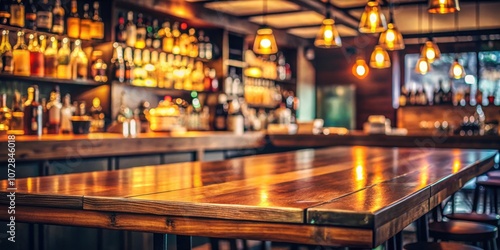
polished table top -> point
(351, 196)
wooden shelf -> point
(35, 79)
(160, 50)
(85, 43)
(262, 106)
(276, 81)
(164, 90)
(235, 63)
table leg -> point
(184, 242)
(422, 229)
(399, 240)
(159, 241)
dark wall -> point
(373, 94)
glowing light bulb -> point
(360, 70)
(423, 67)
(390, 37)
(430, 54)
(328, 34)
(379, 58)
(373, 17)
(265, 43)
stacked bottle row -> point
(158, 69)
(262, 92)
(34, 117)
(456, 97)
(175, 38)
(42, 57)
(47, 17)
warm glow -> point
(360, 69)
(391, 39)
(431, 51)
(265, 43)
(372, 20)
(423, 66)
(457, 71)
(328, 36)
(380, 58)
(443, 6)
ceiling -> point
(303, 18)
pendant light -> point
(328, 36)
(360, 69)
(372, 20)
(430, 49)
(391, 39)
(423, 66)
(380, 58)
(457, 71)
(265, 43)
(443, 6)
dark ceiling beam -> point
(302, 26)
(483, 32)
(319, 7)
(271, 13)
(415, 3)
(197, 15)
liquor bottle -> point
(168, 40)
(236, 120)
(193, 43)
(36, 57)
(97, 26)
(149, 70)
(120, 30)
(119, 73)
(439, 97)
(63, 60)
(220, 117)
(5, 116)
(423, 97)
(207, 81)
(33, 113)
(17, 13)
(131, 30)
(214, 83)
(138, 72)
(85, 23)
(176, 50)
(78, 62)
(208, 48)
(50, 56)
(4, 12)
(124, 113)
(21, 57)
(99, 67)
(403, 97)
(58, 15)
(45, 121)
(6, 54)
(413, 97)
(44, 16)
(30, 15)
(129, 65)
(479, 96)
(149, 33)
(156, 35)
(73, 21)
(16, 122)
(140, 42)
(66, 113)
(54, 112)
(201, 44)
(183, 41)
(97, 115)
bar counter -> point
(48, 147)
(359, 138)
(341, 196)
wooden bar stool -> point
(439, 246)
(465, 231)
(491, 186)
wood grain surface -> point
(359, 138)
(307, 196)
(50, 147)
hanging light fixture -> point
(443, 6)
(372, 20)
(391, 39)
(380, 58)
(457, 71)
(328, 36)
(360, 69)
(423, 66)
(430, 50)
(265, 43)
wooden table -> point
(344, 196)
